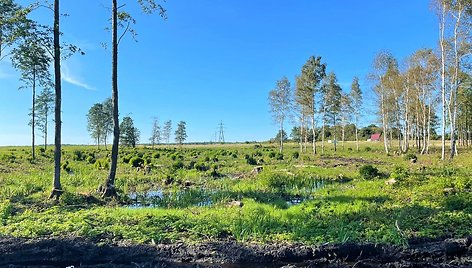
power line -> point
(221, 136)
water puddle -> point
(172, 198)
(202, 197)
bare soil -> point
(77, 252)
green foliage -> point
(102, 163)
(129, 134)
(136, 161)
(251, 160)
(10, 158)
(295, 155)
(410, 156)
(6, 210)
(78, 155)
(279, 156)
(310, 202)
(368, 172)
(65, 166)
(126, 158)
(90, 159)
(181, 132)
(201, 166)
(178, 165)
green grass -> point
(346, 207)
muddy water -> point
(201, 197)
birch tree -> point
(332, 93)
(355, 96)
(311, 76)
(280, 102)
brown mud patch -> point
(76, 252)
(338, 161)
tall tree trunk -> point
(306, 136)
(46, 130)
(109, 187)
(33, 107)
(334, 130)
(313, 132)
(454, 91)
(323, 130)
(281, 135)
(442, 25)
(384, 121)
(342, 134)
(357, 136)
(56, 188)
(301, 134)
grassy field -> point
(191, 194)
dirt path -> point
(52, 252)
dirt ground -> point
(76, 252)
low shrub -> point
(279, 156)
(102, 163)
(126, 158)
(65, 166)
(191, 165)
(368, 172)
(178, 165)
(78, 155)
(91, 159)
(410, 156)
(136, 161)
(201, 166)
(251, 161)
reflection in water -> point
(201, 197)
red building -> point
(375, 137)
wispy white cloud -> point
(69, 77)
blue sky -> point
(213, 61)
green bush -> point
(11, 158)
(178, 165)
(399, 173)
(279, 156)
(272, 154)
(136, 161)
(191, 165)
(295, 155)
(78, 155)
(102, 163)
(257, 153)
(368, 149)
(201, 166)
(65, 166)
(126, 158)
(6, 210)
(368, 172)
(251, 161)
(410, 156)
(156, 155)
(90, 159)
